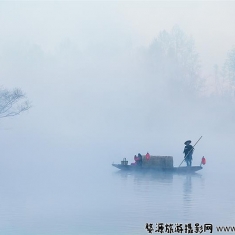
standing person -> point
(188, 151)
(139, 159)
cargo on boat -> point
(155, 163)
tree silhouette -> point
(12, 103)
(174, 58)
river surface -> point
(104, 200)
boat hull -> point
(183, 169)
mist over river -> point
(106, 80)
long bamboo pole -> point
(189, 152)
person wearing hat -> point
(188, 151)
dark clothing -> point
(188, 151)
(139, 162)
(188, 161)
(140, 157)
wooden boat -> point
(157, 164)
(183, 169)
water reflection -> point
(163, 197)
(152, 178)
(187, 189)
(189, 186)
(143, 178)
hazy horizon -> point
(106, 83)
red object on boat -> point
(147, 156)
(203, 161)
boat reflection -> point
(191, 183)
(146, 177)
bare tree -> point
(226, 76)
(174, 58)
(229, 66)
(12, 102)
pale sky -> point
(132, 23)
(98, 96)
(210, 23)
(77, 63)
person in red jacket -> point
(147, 156)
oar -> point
(190, 151)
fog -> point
(99, 90)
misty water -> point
(107, 80)
(92, 197)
